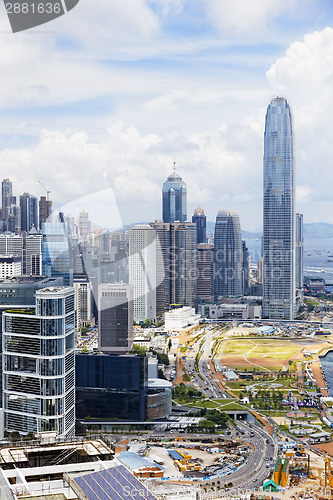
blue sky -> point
(108, 96)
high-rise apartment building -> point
(279, 293)
(10, 266)
(29, 212)
(115, 318)
(199, 219)
(56, 251)
(142, 271)
(39, 365)
(228, 255)
(174, 199)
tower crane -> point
(48, 191)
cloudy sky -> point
(111, 94)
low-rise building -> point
(181, 318)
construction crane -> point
(48, 191)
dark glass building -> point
(56, 251)
(29, 212)
(111, 387)
(199, 219)
(228, 255)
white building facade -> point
(142, 271)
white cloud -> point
(304, 75)
(240, 17)
(135, 165)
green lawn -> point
(260, 348)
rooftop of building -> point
(26, 280)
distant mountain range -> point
(315, 230)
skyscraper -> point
(29, 212)
(279, 213)
(56, 251)
(38, 364)
(199, 219)
(299, 252)
(45, 210)
(142, 271)
(115, 318)
(176, 264)
(7, 191)
(228, 255)
(174, 199)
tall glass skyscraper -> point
(174, 199)
(228, 253)
(279, 293)
(56, 251)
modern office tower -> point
(33, 253)
(176, 265)
(260, 271)
(39, 364)
(162, 268)
(228, 255)
(10, 266)
(174, 199)
(7, 191)
(205, 272)
(111, 387)
(246, 269)
(45, 210)
(83, 302)
(84, 225)
(199, 219)
(115, 318)
(279, 292)
(299, 252)
(29, 212)
(11, 244)
(20, 291)
(56, 251)
(142, 271)
(13, 219)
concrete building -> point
(83, 302)
(10, 266)
(142, 271)
(115, 318)
(181, 318)
(38, 364)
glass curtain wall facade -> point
(228, 252)
(56, 252)
(39, 366)
(279, 213)
(174, 199)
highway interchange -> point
(260, 464)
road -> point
(205, 381)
